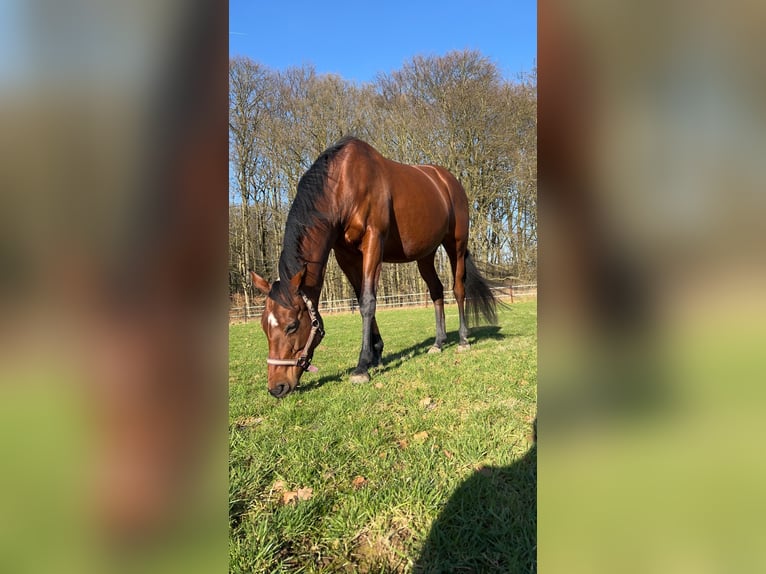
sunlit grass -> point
(383, 459)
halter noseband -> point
(317, 332)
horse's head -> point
(294, 329)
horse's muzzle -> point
(280, 390)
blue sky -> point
(357, 39)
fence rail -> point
(237, 314)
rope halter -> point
(316, 334)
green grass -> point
(443, 443)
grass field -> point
(430, 467)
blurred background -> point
(113, 298)
(651, 147)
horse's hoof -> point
(463, 348)
(434, 350)
(357, 378)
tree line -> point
(454, 110)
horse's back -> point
(414, 207)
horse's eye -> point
(292, 327)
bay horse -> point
(368, 209)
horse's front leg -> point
(377, 345)
(367, 355)
(372, 250)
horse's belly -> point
(412, 244)
(396, 256)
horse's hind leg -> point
(436, 289)
(456, 255)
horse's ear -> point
(295, 280)
(260, 283)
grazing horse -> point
(368, 209)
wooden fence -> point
(505, 294)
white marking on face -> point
(273, 320)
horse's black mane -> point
(303, 215)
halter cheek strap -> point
(317, 332)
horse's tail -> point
(479, 297)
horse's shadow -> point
(489, 524)
(397, 358)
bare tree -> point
(249, 92)
(454, 110)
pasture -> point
(429, 467)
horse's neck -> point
(316, 252)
